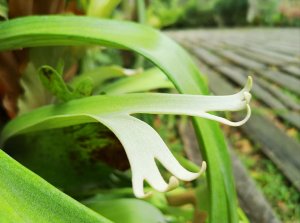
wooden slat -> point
(292, 69)
(278, 48)
(239, 77)
(275, 55)
(287, 50)
(259, 57)
(277, 92)
(278, 77)
(271, 99)
(208, 57)
(284, 80)
(240, 60)
(251, 199)
(270, 57)
(265, 51)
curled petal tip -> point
(173, 183)
(248, 114)
(249, 84)
(146, 195)
(239, 123)
(203, 167)
(247, 96)
(189, 176)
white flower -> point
(141, 142)
(143, 145)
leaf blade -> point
(29, 198)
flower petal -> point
(143, 145)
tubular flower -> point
(141, 142)
(143, 145)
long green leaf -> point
(25, 197)
(166, 54)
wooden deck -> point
(272, 58)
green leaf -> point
(25, 197)
(166, 54)
(127, 210)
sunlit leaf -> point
(25, 197)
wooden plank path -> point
(272, 58)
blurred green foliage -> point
(209, 13)
(164, 13)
